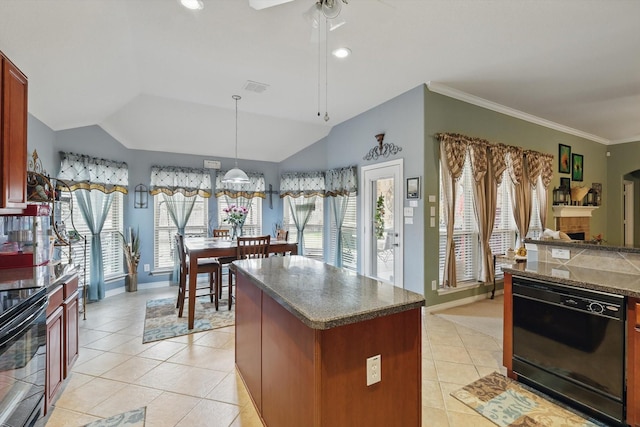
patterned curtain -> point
(174, 179)
(254, 188)
(79, 171)
(94, 181)
(304, 186)
(489, 163)
(340, 184)
(179, 187)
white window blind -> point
(252, 224)
(165, 230)
(313, 232)
(349, 237)
(112, 254)
(466, 234)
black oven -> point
(22, 355)
(570, 343)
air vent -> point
(255, 86)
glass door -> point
(382, 212)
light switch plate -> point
(408, 211)
(561, 253)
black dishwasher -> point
(570, 342)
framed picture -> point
(413, 188)
(577, 167)
(564, 158)
(565, 183)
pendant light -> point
(236, 175)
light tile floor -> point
(191, 380)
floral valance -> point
(305, 184)
(175, 179)
(81, 172)
(254, 188)
(341, 182)
(502, 157)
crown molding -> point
(490, 105)
(626, 140)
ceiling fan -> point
(330, 8)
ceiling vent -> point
(255, 86)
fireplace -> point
(575, 221)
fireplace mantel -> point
(573, 211)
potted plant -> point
(131, 249)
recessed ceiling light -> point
(341, 52)
(192, 4)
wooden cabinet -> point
(633, 362)
(55, 347)
(71, 316)
(62, 336)
(13, 136)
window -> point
(349, 237)
(112, 257)
(313, 231)
(253, 222)
(466, 231)
(165, 230)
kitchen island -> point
(304, 332)
(580, 276)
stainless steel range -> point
(22, 355)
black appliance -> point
(570, 343)
(22, 354)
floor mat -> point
(133, 418)
(162, 321)
(506, 402)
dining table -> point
(218, 247)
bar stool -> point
(207, 265)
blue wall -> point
(401, 119)
(94, 141)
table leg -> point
(193, 278)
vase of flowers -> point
(235, 217)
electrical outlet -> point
(147, 267)
(433, 285)
(374, 371)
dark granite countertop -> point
(581, 244)
(588, 278)
(323, 296)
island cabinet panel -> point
(249, 338)
(633, 362)
(289, 371)
(317, 377)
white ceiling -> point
(157, 76)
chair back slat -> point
(220, 232)
(253, 247)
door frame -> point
(627, 212)
(367, 204)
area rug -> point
(162, 321)
(133, 418)
(506, 402)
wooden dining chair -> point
(205, 265)
(224, 233)
(248, 248)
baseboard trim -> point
(461, 301)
